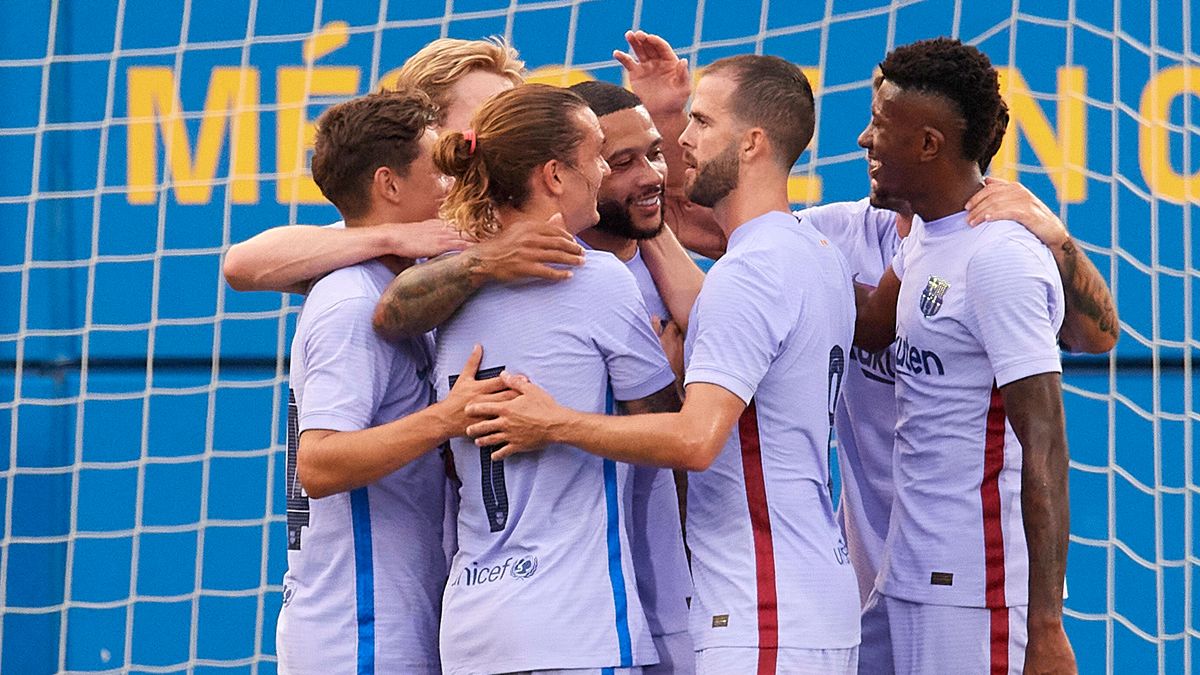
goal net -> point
(142, 401)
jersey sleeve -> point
(637, 366)
(1013, 302)
(346, 368)
(743, 316)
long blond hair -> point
(514, 133)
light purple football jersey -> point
(365, 567)
(773, 325)
(656, 538)
(866, 415)
(978, 308)
(543, 577)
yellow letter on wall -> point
(1063, 154)
(233, 93)
(1154, 137)
(295, 132)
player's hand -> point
(1048, 651)
(1005, 200)
(671, 339)
(529, 250)
(523, 424)
(659, 77)
(468, 390)
(425, 239)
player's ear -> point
(386, 185)
(551, 176)
(933, 141)
(754, 142)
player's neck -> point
(949, 194)
(538, 209)
(622, 247)
(755, 195)
(377, 216)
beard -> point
(615, 220)
(715, 179)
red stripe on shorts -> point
(999, 640)
(993, 534)
(764, 548)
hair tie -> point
(469, 134)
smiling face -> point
(893, 140)
(631, 198)
(583, 175)
(710, 142)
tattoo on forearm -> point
(1085, 290)
(425, 296)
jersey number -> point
(837, 368)
(495, 496)
(297, 498)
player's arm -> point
(329, 462)
(663, 83)
(1090, 323)
(875, 321)
(675, 275)
(1034, 408)
(689, 439)
(1007, 290)
(287, 258)
(424, 296)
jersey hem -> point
(331, 421)
(1028, 368)
(920, 599)
(736, 385)
(651, 385)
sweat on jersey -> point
(543, 577)
(772, 324)
(866, 414)
(978, 308)
(365, 567)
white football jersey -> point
(866, 414)
(543, 577)
(978, 308)
(773, 325)
(365, 567)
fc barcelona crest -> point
(931, 297)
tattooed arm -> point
(1090, 324)
(424, 296)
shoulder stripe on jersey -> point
(616, 575)
(764, 547)
(364, 579)
(989, 493)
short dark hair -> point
(773, 94)
(960, 73)
(604, 98)
(998, 131)
(358, 136)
